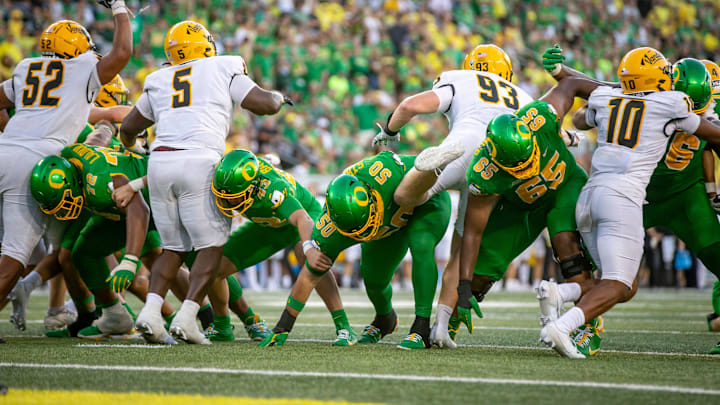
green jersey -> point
(88, 129)
(557, 164)
(679, 169)
(383, 174)
(276, 197)
(97, 166)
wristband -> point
(307, 245)
(134, 260)
(710, 187)
(137, 184)
(556, 70)
(387, 126)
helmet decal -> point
(56, 179)
(361, 196)
(249, 170)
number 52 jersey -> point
(192, 102)
(633, 132)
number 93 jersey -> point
(52, 100)
(477, 97)
(557, 164)
(97, 166)
(192, 102)
(633, 131)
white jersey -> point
(478, 97)
(192, 102)
(52, 99)
(633, 131)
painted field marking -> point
(397, 377)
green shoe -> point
(345, 337)
(275, 339)
(219, 335)
(258, 330)
(453, 327)
(91, 332)
(716, 349)
(411, 342)
(587, 339)
(58, 333)
(372, 334)
(597, 323)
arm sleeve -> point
(9, 89)
(445, 93)
(590, 116)
(144, 107)
(240, 86)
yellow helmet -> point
(489, 58)
(188, 40)
(113, 93)
(645, 69)
(65, 39)
(714, 70)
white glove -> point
(117, 6)
(575, 138)
(385, 136)
(138, 148)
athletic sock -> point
(248, 317)
(386, 323)
(570, 320)
(569, 292)
(234, 288)
(32, 281)
(188, 311)
(168, 318)
(421, 326)
(340, 319)
(205, 315)
(221, 322)
(442, 317)
(153, 302)
(83, 320)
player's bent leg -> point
(328, 291)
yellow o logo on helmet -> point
(522, 129)
(56, 179)
(361, 196)
(249, 171)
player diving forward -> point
(469, 98)
(634, 124)
(676, 196)
(192, 102)
(52, 96)
(359, 208)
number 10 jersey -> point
(633, 131)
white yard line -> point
(397, 377)
(132, 346)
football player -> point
(359, 208)
(52, 96)
(469, 98)
(192, 102)
(609, 210)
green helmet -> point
(234, 182)
(513, 146)
(55, 185)
(353, 207)
(692, 78)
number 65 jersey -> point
(192, 102)
(633, 132)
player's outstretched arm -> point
(317, 259)
(422, 103)
(552, 61)
(706, 130)
(133, 124)
(115, 114)
(563, 94)
(263, 102)
(137, 215)
(112, 63)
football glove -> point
(385, 136)
(287, 100)
(466, 302)
(575, 138)
(117, 6)
(122, 275)
(552, 59)
(715, 202)
(276, 339)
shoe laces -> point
(414, 337)
(343, 334)
(371, 330)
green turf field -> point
(653, 351)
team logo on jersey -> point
(474, 189)
(277, 198)
(397, 160)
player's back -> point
(631, 136)
(52, 99)
(191, 102)
(478, 97)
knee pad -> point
(480, 286)
(574, 265)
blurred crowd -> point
(347, 64)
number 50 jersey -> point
(192, 102)
(633, 131)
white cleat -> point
(441, 338)
(187, 332)
(19, 297)
(550, 301)
(60, 318)
(115, 320)
(561, 342)
(152, 328)
(437, 157)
